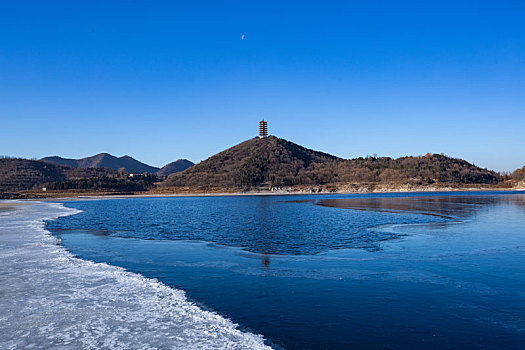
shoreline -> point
(109, 195)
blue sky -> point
(166, 80)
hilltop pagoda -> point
(263, 129)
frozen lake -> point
(441, 270)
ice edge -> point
(71, 302)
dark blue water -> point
(310, 272)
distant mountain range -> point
(125, 163)
(100, 172)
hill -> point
(104, 160)
(32, 175)
(275, 162)
(23, 174)
(432, 169)
(252, 163)
(174, 167)
(519, 174)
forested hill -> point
(268, 163)
(275, 162)
(519, 174)
(19, 175)
(251, 163)
(420, 170)
(23, 174)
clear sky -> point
(166, 80)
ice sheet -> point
(50, 299)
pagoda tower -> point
(263, 129)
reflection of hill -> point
(447, 206)
(517, 200)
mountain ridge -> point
(104, 160)
(274, 162)
(126, 163)
(267, 164)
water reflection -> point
(442, 206)
(276, 225)
(265, 259)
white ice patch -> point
(50, 299)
